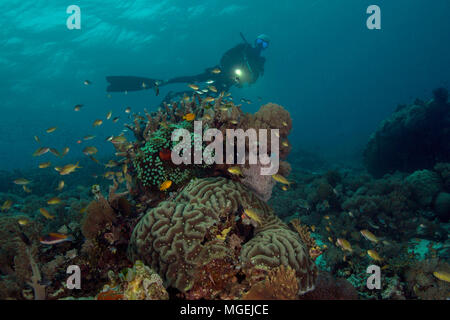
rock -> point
(425, 185)
(442, 205)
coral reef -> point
(209, 232)
(136, 283)
(442, 206)
(423, 284)
(99, 214)
(280, 283)
(148, 157)
(413, 137)
(330, 288)
(425, 184)
(180, 236)
(304, 232)
(402, 212)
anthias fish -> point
(69, 168)
(97, 123)
(235, 171)
(90, 151)
(21, 181)
(279, 178)
(40, 151)
(55, 152)
(193, 86)
(189, 117)
(442, 275)
(374, 255)
(165, 185)
(60, 185)
(45, 165)
(344, 244)
(252, 214)
(46, 214)
(6, 205)
(54, 200)
(369, 235)
(65, 151)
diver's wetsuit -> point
(244, 57)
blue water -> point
(337, 78)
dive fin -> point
(129, 83)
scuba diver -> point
(242, 64)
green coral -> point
(152, 171)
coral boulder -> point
(197, 230)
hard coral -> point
(425, 184)
(136, 283)
(150, 169)
(180, 236)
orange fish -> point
(189, 117)
(46, 214)
(165, 185)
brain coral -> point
(180, 235)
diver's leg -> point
(202, 77)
